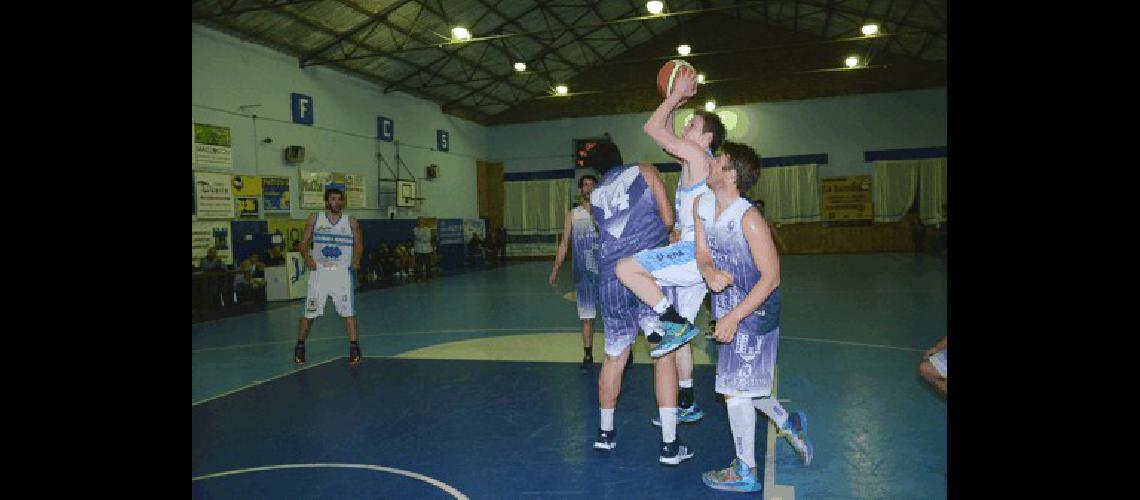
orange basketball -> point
(668, 74)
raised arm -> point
(659, 128)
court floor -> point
(470, 388)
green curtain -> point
(896, 183)
(790, 194)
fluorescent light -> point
(684, 49)
(870, 29)
(710, 105)
(654, 7)
(460, 33)
(700, 78)
(561, 89)
(520, 66)
(852, 61)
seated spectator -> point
(252, 273)
(387, 261)
(404, 261)
(211, 262)
(475, 249)
(373, 267)
(409, 263)
(276, 258)
(216, 287)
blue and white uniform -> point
(332, 250)
(746, 366)
(628, 220)
(584, 238)
(676, 265)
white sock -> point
(661, 306)
(649, 325)
(668, 424)
(685, 384)
(607, 419)
(772, 409)
(742, 421)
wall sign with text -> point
(442, 141)
(302, 106)
(385, 129)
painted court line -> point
(843, 342)
(259, 382)
(773, 491)
(415, 475)
(392, 334)
(567, 329)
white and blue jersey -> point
(584, 239)
(684, 222)
(332, 251)
(332, 243)
(675, 266)
(628, 221)
(746, 366)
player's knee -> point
(927, 371)
(617, 357)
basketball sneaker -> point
(674, 453)
(736, 477)
(299, 354)
(795, 432)
(607, 440)
(676, 335)
(684, 415)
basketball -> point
(668, 74)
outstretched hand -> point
(685, 85)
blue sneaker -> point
(684, 415)
(676, 335)
(736, 477)
(607, 440)
(795, 431)
(675, 453)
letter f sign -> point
(302, 109)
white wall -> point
(228, 73)
(842, 127)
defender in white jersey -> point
(337, 248)
(737, 258)
(674, 266)
(579, 228)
